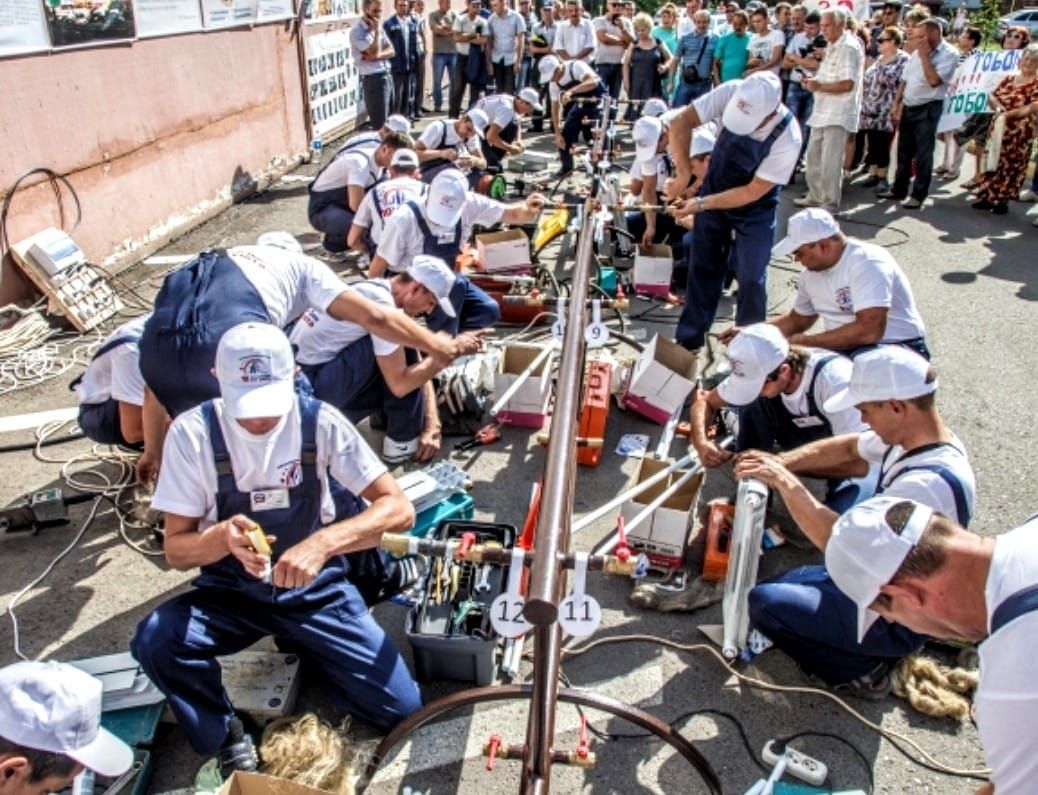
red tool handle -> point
(622, 551)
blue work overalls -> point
(229, 610)
(579, 116)
(494, 155)
(733, 163)
(473, 308)
(194, 308)
(329, 210)
(807, 616)
(100, 421)
(353, 383)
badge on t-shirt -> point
(268, 499)
(807, 422)
(445, 237)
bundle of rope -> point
(309, 751)
(934, 689)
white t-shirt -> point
(865, 276)
(287, 282)
(763, 46)
(352, 167)
(833, 378)
(571, 39)
(796, 45)
(402, 238)
(440, 134)
(610, 53)
(318, 337)
(785, 152)
(464, 25)
(187, 480)
(389, 195)
(1006, 700)
(844, 60)
(923, 486)
(573, 73)
(500, 109)
(117, 373)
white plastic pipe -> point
(502, 401)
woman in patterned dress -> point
(878, 91)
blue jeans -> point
(524, 73)
(801, 103)
(378, 96)
(441, 62)
(686, 92)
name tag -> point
(807, 422)
(268, 499)
(447, 237)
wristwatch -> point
(700, 204)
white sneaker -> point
(1029, 196)
(394, 452)
(806, 201)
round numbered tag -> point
(506, 611)
(579, 614)
(596, 333)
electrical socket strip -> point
(799, 765)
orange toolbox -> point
(718, 541)
(594, 412)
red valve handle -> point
(622, 551)
(583, 748)
(495, 743)
(467, 540)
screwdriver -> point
(485, 435)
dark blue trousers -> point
(686, 92)
(811, 620)
(473, 310)
(331, 216)
(573, 127)
(100, 423)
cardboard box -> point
(241, 783)
(653, 268)
(528, 407)
(663, 535)
(660, 380)
(503, 251)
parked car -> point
(1025, 18)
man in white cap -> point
(50, 729)
(919, 458)
(899, 560)
(652, 168)
(504, 135)
(755, 153)
(858, 289)
(261, 459)
(359, 373)
(338, 189)
(393, 124)
(440, 226)
(383, 198)
(448, 143)
(573, 87)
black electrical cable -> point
(19, 448)
(785, 741)
(53, 178)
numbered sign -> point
(506, 611)
(558, 328)
(579, 613)
(597, 333)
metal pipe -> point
(518, 382)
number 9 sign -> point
(506, 611)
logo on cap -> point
(742, 105)
(737, 368)
(255, 369)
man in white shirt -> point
(450, 143)
(858, 289)
(575, 37)
(504, 133)
(471, 37)
(900, 561)
(339, 187)
(837, 108)
(803, 611)
(766, 45)
(755, 154)
(507, 34)
(372, 50)
(686, 19)
(382, 200)
(360, 373)
(917, 110)
(613, 34)
(111, 389)
(575, 88)
(260, 467)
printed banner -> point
(332, 82)
(78, 23)
(975, 78)
(22, 27)
(228, 13)
(270, 10)
(166, 17)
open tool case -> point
(449, 629)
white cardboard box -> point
(660, 380)
(663, 535)
(503, 251)
(528, 407)
(653, 268)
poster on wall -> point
(975, 78)
(77, 23)
(166, 17)
(228, 13)
(329, 10)
(22, 27)
(332, 82)
(270, 10)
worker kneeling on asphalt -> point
(574, 88)
(260, 457)
(360, 373)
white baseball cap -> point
(404, 158)
(479, 120)
(703, 140)
(547, 67)
(530, 95)
(446, 198)
(398, 123)
(807, 226)
(654, 107)
(754, 354)
(256, 371)
(864, 552)
(646, 133)
(435, 276)
(889, 372)
(55, 707)
(756, 97)
(280, 240)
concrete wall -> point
(152, 135)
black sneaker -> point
(873, 686)
(239, 752)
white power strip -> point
(808, 770)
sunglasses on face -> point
(881, 40)
(1014, 35)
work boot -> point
(679, 593)
(238, 752)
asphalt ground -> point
(976, 283)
